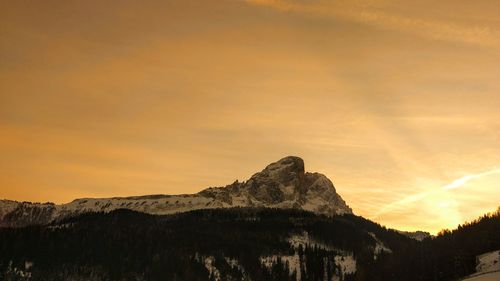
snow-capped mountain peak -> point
(282, 184)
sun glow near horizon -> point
(396, 102)
(443, 201)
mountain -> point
(283, 184)
(281, 224)
(417, 235)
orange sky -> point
(392, 100)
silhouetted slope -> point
(237, 244)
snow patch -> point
(487, 268)
(7, 206)
(233, 263)
(379, 246)
(303, 239)
(347, 264)
(209, 265)
(292, 260)
(22, 273)
(492, 276)
(488, 262)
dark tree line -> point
(126, 245)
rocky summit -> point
(283, 184)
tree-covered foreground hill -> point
(238, 244)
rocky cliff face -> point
(283, 184)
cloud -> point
(439, 200)
(165, 98)
(381, 15)
(463, 180)
(405, 201)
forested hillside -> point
(237, 244)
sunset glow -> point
(397, 102)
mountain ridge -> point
(283, 184)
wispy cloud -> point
(431, 195)
(463, 180)
(406, 200)
(375, 14)
(373, 93)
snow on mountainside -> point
(417, 235)
(344, 261)
(488, 262)
(494, 276)
(283, 184)
(488, 267)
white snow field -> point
(488, 267)
(492, 276)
